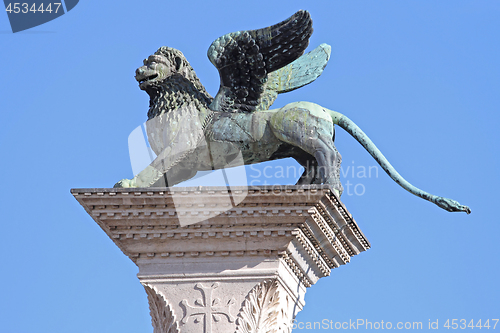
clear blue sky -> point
(422, 78)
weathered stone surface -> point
(238, 265)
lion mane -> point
(181, 88)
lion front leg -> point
(152, 173)
(145, 178)
(166, 170)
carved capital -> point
(244, 268)
(162, 315)
(265, 310)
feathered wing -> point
(299, 73)
(245, 58)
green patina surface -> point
(190, 131)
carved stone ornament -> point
(162, 315)
(263, 311)
(209, 309)
(244, 268)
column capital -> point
(209, 252)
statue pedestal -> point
(218, 259)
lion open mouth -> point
(148, 78)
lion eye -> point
(178, 63)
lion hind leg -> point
(310, 128)
(321, 162)
(329, 160)
(310, 174)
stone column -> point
(217, 259)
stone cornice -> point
(306, 226)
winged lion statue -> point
(191, 131)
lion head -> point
(159, 66)
(165, 63)
(170, 81)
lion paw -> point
(126, 183)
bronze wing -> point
(245, 58)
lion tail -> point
(350, 127)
